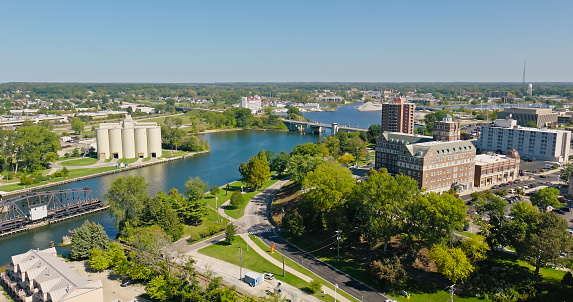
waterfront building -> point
(437, 166)
(540, 116)
(251, 102)
(128, 139)
(330, 99)
(40, 275)
(492, 169)
(398, 116)
(447, 129)
(544, 144)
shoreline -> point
(118, 170)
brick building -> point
(446, 130)
(492, 169)
(398, 116)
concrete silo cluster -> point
(128, 139)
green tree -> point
(491, 210)
(327, 185)
(126, 197)
(256, 172)
(86, 238)
(148, 244)
(374, 131)
(546, 197)
(115, 254)
(531, 124)
(314, 286)
(158, 211)
(230, 232)
(346, 158)
(195, 209)
(29, 145)
(236, 199)
(379, 203)
(98, 260)
(279, 163)
(389, 270)
(306, 149)
(475, 248)
(77, 125)
(452, 263)
(293, 223)
(566, 173)
(300, 165)
(158, 288)
(214, 190)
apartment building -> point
(446, 130)
(436, 165)
(398, 116)
(544, 144)
(492, 169)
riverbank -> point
(118, 170)
(370, 106)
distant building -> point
(530, 89)
(492, 169)
(40, 275)
(398, 116)
(541, 116)
(447, 129)
(251, 102)
(545, 144)
(128, 139)
(330, 99)
(436, 166)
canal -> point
(218, 167)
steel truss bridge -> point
(30, 208)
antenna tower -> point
(523, 78)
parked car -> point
(269, 276)
(517, 180)
(542, 176)
(126, 282)
(511, 191)
(495, 187)
(565, 209)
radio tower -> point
(523, 78)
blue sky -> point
(285, 41)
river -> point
(218, 167)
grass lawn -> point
(209, 221)
(73, 174)
(467, 234)
(254, 262)
(549, 274)
(236, 186)
(85, 161)
(127, 160)
(168, 153)
(146, 159)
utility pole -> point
(338, 241)
(284, 273)
(452, 292)
(240, 264)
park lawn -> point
(74, 173)
(168, 153)
(146, 159)
(467, 234)
(550, 274)
(127, 160)
(85, 161)
(437, 296)
(240, 211)
(290, 263)
(254, 262)
(195, 231)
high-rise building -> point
(398, 116)
(446, 130)
(545, 144)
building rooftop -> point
(484, 159)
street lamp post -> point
(338, 242)
(217, 208)
(240, 264)
(335, 287)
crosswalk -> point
(260, 231)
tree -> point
(214, 190)
(306, 149)
(300, 165)
(256, 172)
(293, 223)
(230, 232)
(546, 197)
(86, 238)
(374, 131)
(452, 263)
(195, 210)
(433, 217)
(492, 217)
(279, 163)
(126, 197)
(346, 158)
(148, 244)
(531, 124)
(475, 248)
(98, 260)
(158, 211)
(236, 199)
(379, 203)
(77, 125)
(389, 270)
(566, 173)
(327, 185)
(538, 237)
(314, 286)
(159, 289)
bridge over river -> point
(317, 128)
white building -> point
(43, 276)
(128, 139)
(252, 102)
(530, 89)
(544, 144)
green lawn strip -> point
(290, 263)
(127, 160)
(74, 173)
(86, 161)
(195, 231)
(238, 212)
(550, 274)
(168, 153)
(434, 297)
(254, 262)
(146, 159)
(467, 234)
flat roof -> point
(484, 159)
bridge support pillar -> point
(334, 128)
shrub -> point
(314, 286)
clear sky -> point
(286, 41)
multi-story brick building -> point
(436, 166)
(545, 144)
(398, 116)
(446, 130)
(491, 169)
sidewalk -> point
(329, 291)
